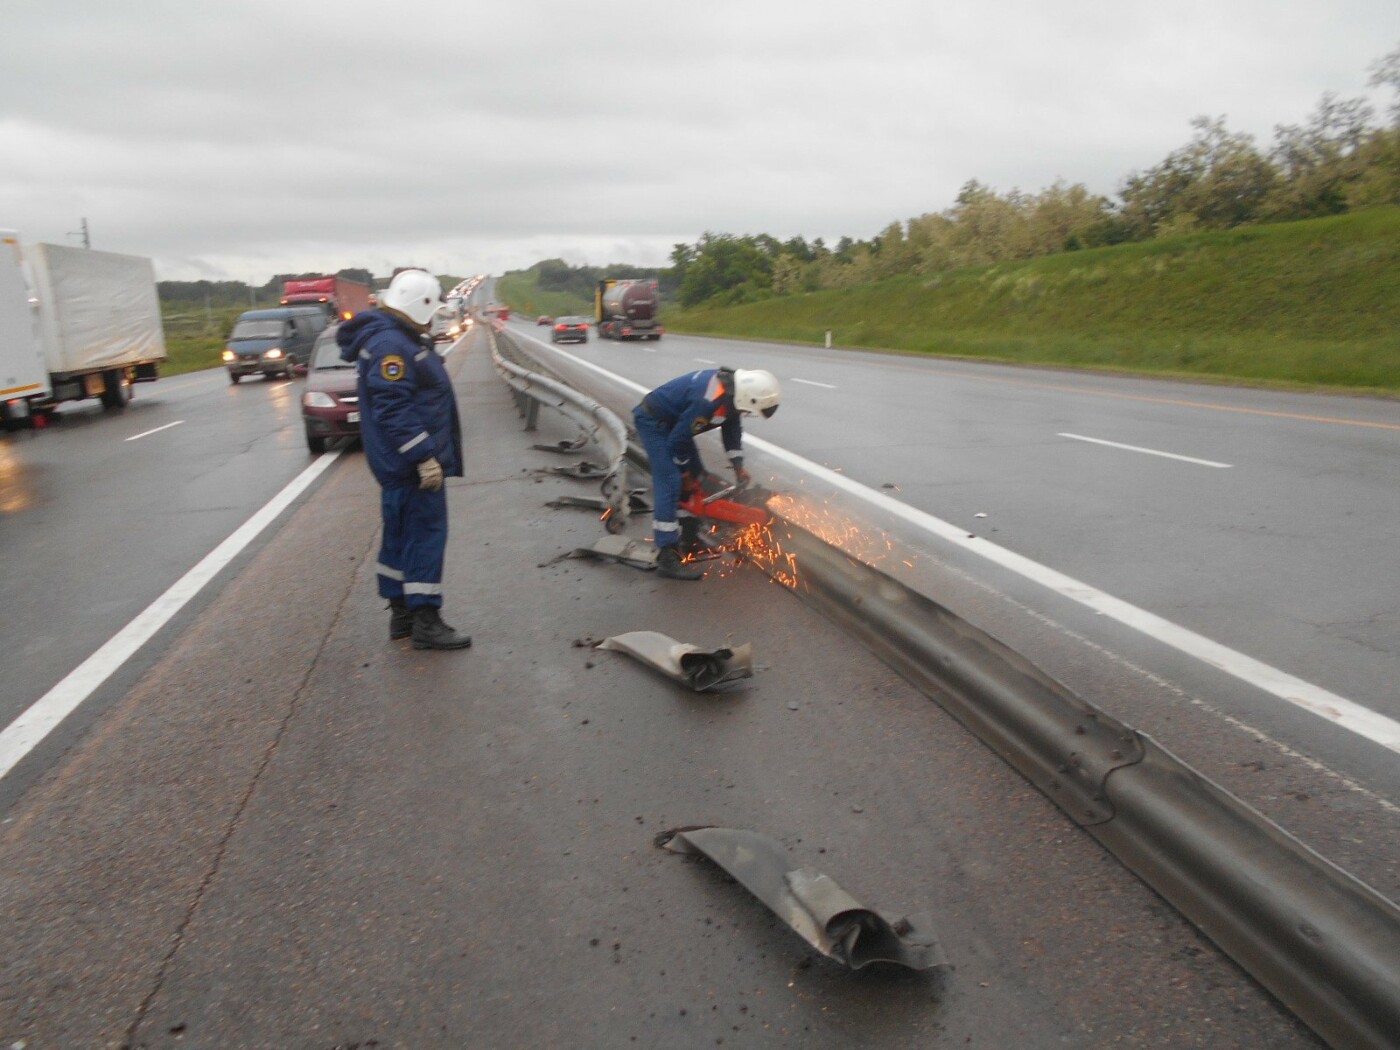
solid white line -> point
(1148, 451)
(45, 714)
(157, 430)
(813, 382)
(1311, 698)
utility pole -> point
(83, 233)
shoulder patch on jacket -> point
(391, 367)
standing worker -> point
(412, 440)
(667, 421)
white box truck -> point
(24, 377)
(98, 321)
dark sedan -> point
(330, 403)
(569, 330)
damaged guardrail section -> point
(599, 424)
(1326, 944)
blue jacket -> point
(408, 411)
(692, 404)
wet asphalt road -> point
(97, 520)
(347, 842)
(1263, 521)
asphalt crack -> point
(177, 941)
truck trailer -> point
(96, 319)
(24, 377)
(627, 309)
(341, 298)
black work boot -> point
(669, 564)
(692, 540)
(429, 632)
(400, 620)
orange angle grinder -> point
(717, 508)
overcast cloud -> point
(247, 138)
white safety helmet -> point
(414, 293)
(756, 391)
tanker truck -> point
(627, 309)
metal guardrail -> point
(600, 425)
(1326, 944)
(1323, 942)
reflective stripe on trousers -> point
(414, 545)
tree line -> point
(237, 293)
(1338, 160)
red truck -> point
(342, 299)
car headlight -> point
(229, 355)
(275, 352)
(317, 399)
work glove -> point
(430, 474)
(741, 476)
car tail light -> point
(560, 327)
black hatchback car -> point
(569, 330)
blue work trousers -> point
(665, 477)
(414, 545)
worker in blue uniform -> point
(412, 439)
(668, 419)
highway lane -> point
(100, 513)
(1258, 519)
(370, 844)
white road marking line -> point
(647, 349)
(1311, 698)
(44, 715)
(157, 430)
(706, 361)
(1148, 451)
(813, 382)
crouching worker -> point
(412, 440)
(667, 421)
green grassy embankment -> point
(194, 336)
(1313, 304)
(521, 292)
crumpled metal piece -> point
(821, 912)
(565, 447)
(699, 669)
(620, 549)
(582, 469)
(636, 501)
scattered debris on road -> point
(821, 912)
(583, 470)
(699, 669)
(636, 499)
(565, 447)
(636, 553)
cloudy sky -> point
(247, 138)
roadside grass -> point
(1310, 304)
(521, 292)
(195, 336)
